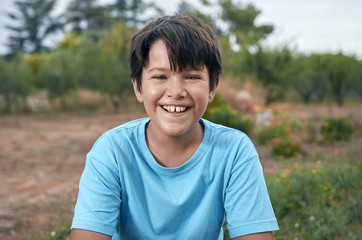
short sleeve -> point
(247, 204)
(99, 198)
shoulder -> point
(222, 133)
(126, 130)
(229, 140)
(128, 127)
(127, 134)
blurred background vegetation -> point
(316, 195)
(93, 54)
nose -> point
(176, 88)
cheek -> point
(202, 97)
(152, 96)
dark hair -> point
(189, 43)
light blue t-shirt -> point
(125, 193)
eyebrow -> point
(166, 69)
(163, 69)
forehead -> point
(159, 57)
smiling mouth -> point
(175, 109)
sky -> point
(308, 26)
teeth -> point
(174, 108)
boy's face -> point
(175, 101)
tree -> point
(355, 81)
(104, 64)
(240, 22)
(60, 73)
(309, 83)
(86, 15)
(185, 8)
(338, 70)
(32, 24)
(14, 81)
(235, 25)
(273, 68)
(132, 11)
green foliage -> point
(317, 203)
(100, 50)
(354, 85)
(336, 129)
(86, 15)
(188, 9)
(15, 82)
(309, 83)
(35, 62)
(273, 68)
(82, 63)
(235, 24)
(337, 70)
(340, 68)
(219, 111)
(241, 23)
(60, 74)
(284, 134)
(267, 133)
(70, 41)
(217, 102)
(286, 146)
(104, 64)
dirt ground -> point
(42, 157)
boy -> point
(173, 175)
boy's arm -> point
(80, 234)
(256, 236)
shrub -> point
(284, 134)
(286, 146)
(317, 203)
(266, 134)
(220, 112)
(217, 102)
(15, 79)
(336, 129)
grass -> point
(60, 232)
(318, 196)
(320, 200)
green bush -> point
(219, 111)
(286, 146)
(15, 83)
(265, 134)
(217, 102)
(284, 134)
(336, 129)
(317, 203)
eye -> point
(192, 77)
(160, 77)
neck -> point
(175, 150)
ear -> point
(137, 92)
(213, 92)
